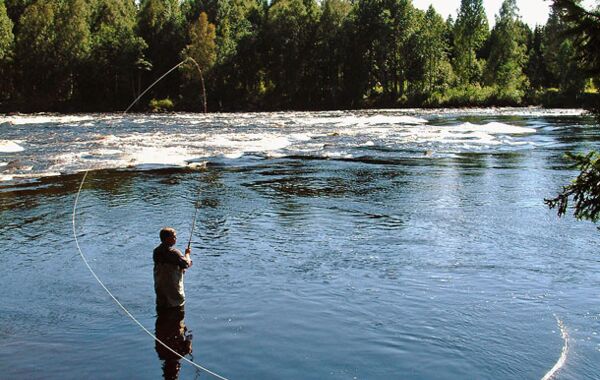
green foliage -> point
(429, 68)
(202, 47)
(584, 28)
(232, 18)
(6, 53)
(161, 25)
(115, 53)
(15, 9)
(381, 49)
(584, 190)
(191, 9)
(508, 54)
(331, 49)
(238, 77)
(53, 42)
(37, 36)
(467, 95)
(290, 30)
(259, 54)
(564, 66)
(203, 52)
(73, 40)
(161, 105)
(536, 68)
(580, 30)
(6, 35)
(470, 33)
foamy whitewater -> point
(43, 145)
(7, 146)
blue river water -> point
(398, 244)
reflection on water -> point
(172, 331)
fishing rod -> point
(190, 59)
(134, 319)
(194, 220)
(127, 312)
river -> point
(382, 244)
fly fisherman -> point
(169, 266)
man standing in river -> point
(169, 266)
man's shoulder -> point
(163, 250)
(174, 250)
(160, 250)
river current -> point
(382, 244)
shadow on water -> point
(108, 184)
(346, 179)
(509, 160)
(574, 133)
(384, 221)
(470, 161)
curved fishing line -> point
(167, 73)
(563, 355)
(117, 301)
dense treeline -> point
(583, 193)
(302, 54)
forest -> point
(99, 55)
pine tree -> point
(361, 63)
(6, 35)
(116, 50)
(202, 46)
(536, 69)
(239, 74)
(15, 9)
(161, 25)
(191, 9)
(52, 44)
(429, 69)
(564, 66)
(331, 48)
(584, 191)
(202, 51)
(7, 40)
(232, 26)
(289, 35)
(584, 27)
(508, 54)
(470, 32)
(404, 21)
(382, 29)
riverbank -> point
(467, 97)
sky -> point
(532, 11)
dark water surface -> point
(391, 245)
